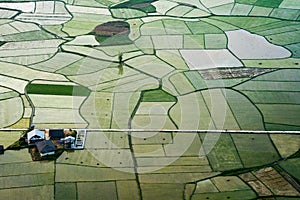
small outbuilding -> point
(35, 136)
(45, 147)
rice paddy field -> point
(187, 100)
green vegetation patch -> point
(268, 3)
(246, 114)
(175, 26)
(249, 23)
(292, 167)
(193, 41)
(157, 96)
(233, 195)
(295, 49)
(285, 114)
(281, 127)
(250, 2)
(280, 75)
(28, 36)
(55, 29)
(200, 83)
(255, 150)
(67, 90)
(202, 27)
(274, 97)
(286, 198)
(86, 66)
(224, 155)
(215, 41)
(206, 186)
(153, 28)
(196, 79)
(127, 13)
(114, 40)
(290, 26)
(164, 191)
(65, 191)
(101, 2)
(286, 38)
(181, 83)
(143, 5)
(8, 138)
(224, 82)
(97, 190)
(281, 140)
(275, 30)
(8, 95)
(278, 86)
(26, 180)
(84, 23)
(229, 183)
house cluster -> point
(49, 140)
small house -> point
(35, 136)
(45, 147)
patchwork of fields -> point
(153, 64)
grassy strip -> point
(66, 90)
